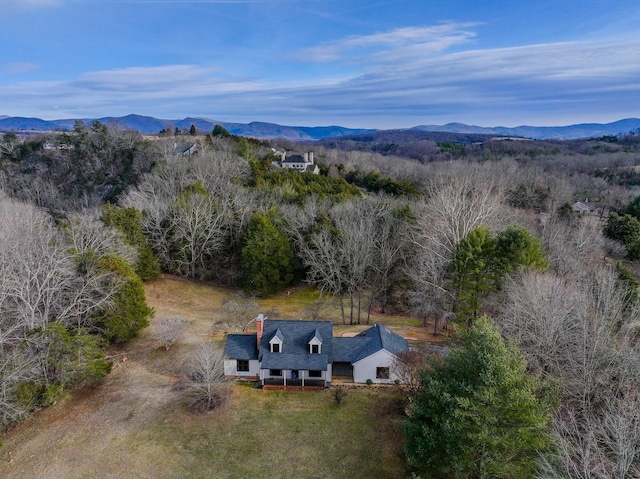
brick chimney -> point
(259, 328)
(311, 157)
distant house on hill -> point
(305, 353)
(303, 163)
(590, 208)
(185, 150)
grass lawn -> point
(202, 304)
(282, 435)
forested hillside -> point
(448, 233)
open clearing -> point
(133, 425)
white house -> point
(302, 163)
(371, 354)
(185, 150)
(305, 353)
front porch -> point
(294, 379)
(292, 384)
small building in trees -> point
(296, 353)
(590, 208)
(185, 150)
(302, 163)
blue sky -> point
(355, 63)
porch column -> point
(302, 376)
(284, 374)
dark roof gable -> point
(295, 337)
(295, 334)
(295, 159)
(277, 335)
(367, 343)
(241, 346)
(316, 334)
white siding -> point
(366, 367)
(230, 368)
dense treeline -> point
(490, 231)
(75, 170)
(65, 291)
(71, 281)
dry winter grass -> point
(133, 424)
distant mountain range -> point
(150, 125)
(570, 132)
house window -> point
(275, 372)
(275, 347)
(242, 365)
(315, 349)
(315, 374)
(382, 373)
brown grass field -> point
(132, 424)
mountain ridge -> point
(266, 130)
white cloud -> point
(397, 42)
(141, 77)
(198, 1)
(14, 68)
(13, 5)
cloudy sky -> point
(355, 63)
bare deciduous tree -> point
(170, 329)
(153, 197)
(460, 197)
(205, 386)
(219, 171)
(339, 259)
(356, 222)
(239, 312)
(570, 243)
(198, 226)
(407, 366)
(41, 281)
(390, 247)
(187, 227)
(85, 233)
(573, 330)
(324, 263)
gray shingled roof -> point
(381, 338)
(295, 336)
(346, 350)
(294, 159)
(295, 344)
(278, 335)
(366, 343)
(241, 346)
(315, 362)
(316, 334)
(392, 342)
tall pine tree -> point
(268, 261)
(478, 414)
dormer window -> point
(315, 343)
(276, 342)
